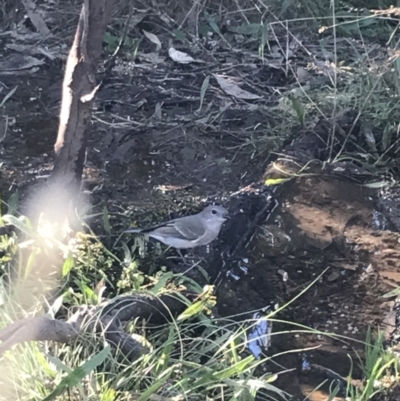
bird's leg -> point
(180, 253)
(186, 260)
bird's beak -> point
(227, 217)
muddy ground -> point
(169, 162)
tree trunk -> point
(79, 88)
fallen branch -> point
(104, 319)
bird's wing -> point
(182, 228)
(185, 228)
(166, 230)
(189, 227)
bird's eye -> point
(213, 211)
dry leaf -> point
(395, 276)
(35, 17)
(294, 44)
(327, 68)
(277, 63)
(180, 57)
(302, 75)
(232, 89)
(153, 58)
(158, 112)
(153, 38)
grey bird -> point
(189, 231)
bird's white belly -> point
(174, 242)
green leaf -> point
(212, 22)
(192, 284)
(157, 385)
(375, 185)
(264, 36)
(164, 358)
(77, 375)
(31, 262)
(13, 202)
(161, 282)
(235, 369)
(333, 393)
(179, 35)
(299, 109)
(106, 223)
(391, 294)
(275, 181)
(106, 220)
(108, 395)
(111, 41)
(264, 39)
(396, 64)
(127, 253)
(21, 223)
(90, 296)
(68, 265)
(192, 310)
(369, 137)
(387, 134)
(246, 29)
(9, 94)
(203, 90)
(44, 364)
(285, 5)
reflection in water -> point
(259, 338)
(321, 383)
(379, 220)
(243, 266)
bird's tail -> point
(132, 230)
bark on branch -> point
(106, 320)
(79, 88)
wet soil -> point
(326, 229)
(333, 229)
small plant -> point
(378, 366)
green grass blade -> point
(78, 374)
